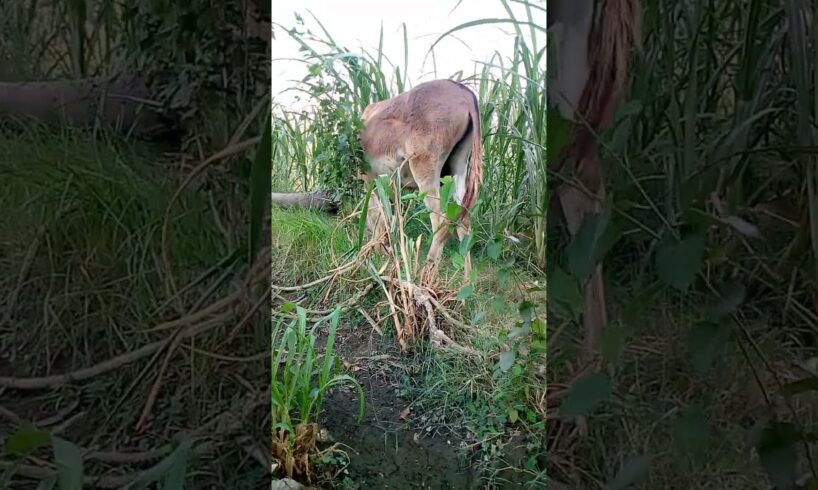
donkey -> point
(427, 133)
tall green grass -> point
(713, 141)
(712, 202)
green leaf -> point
(177, 470)
(494, 248)
(446, 188)
(170, 469)
(465, 245)
(707, 341)
(513, 415)
(47, 484)
(538, 327)
(633, 471)
(526, 311)
(563, 294)
(382, 188)
(503, 276)
(613, 343)
(498, 304)
(585, 395)
(559, 130)
(594, 238)
(520, 331)
(25, 441)
(465, 292)
(509, 262)
(459, 261)
(678, 263)
(260, 187)
(778, 453)
(452, 211)
(579, 252)
(507, 359)
(288, 307)
(68, 458)
(690, 431)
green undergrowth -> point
(708, 240)
(493, 408)
(83, 279)
(103, 196)
(306, 244)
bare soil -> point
(387, 448)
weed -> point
(300, 380)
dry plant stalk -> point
(295, 458)
(414, 292)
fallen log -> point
(123, 104)
(315, 200)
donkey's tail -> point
(474, 175)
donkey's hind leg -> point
(458, 165)
(425, 169)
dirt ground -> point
(387, 448)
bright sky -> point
(356, 24)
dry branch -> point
(226, 423)
(316, 200)
(190, 329)
(123, 103)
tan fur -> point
(419, 131)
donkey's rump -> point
(428, 132)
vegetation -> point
(479, 378)
(709, 244)
(200, 58)
(131, 281)
(298, 393)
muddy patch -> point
(386, 452)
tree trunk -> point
(317, 200)
(123, 104)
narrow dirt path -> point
(386, 451)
